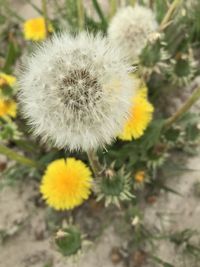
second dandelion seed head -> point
(130, 28)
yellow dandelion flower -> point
(139, 176)
(140, 116)
(66, 184)
(34, 29)
(6, 79)
(8, 108)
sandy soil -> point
(175, 213)
(26, 240)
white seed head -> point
(130, 28)
(76, 91)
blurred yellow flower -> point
(140, 116)
(6, 79)
(66, 184)
(34, 29)
(8, 108)
(139, 176)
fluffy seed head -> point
(75, 91)
(130, 28)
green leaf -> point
(161, 262)
(161, 8)
(49, 157)
(172, 134)
(152, 134)
(35, 7)
(100, 13)
(171, 190)
(11, 56)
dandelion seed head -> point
(76, 91)
(130, 28)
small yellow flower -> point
(140, 116)
(66, 184)
(6, 79)
(34, 29)
(8, 108)
(139, 176)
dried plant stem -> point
(81, 16)
(186, 106)
(151, 3)
(15, 156)
(166, 20)
(45, 14)
(94, 162)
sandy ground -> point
(25, 238)
(173, 213)
(26, 241)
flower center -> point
(80, 90)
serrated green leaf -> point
(11, 56)
(100, 13)
(152, 134)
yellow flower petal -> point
(140, 116)
(7, 79)
(34, 29)
(8, 108)
(139, 176)
(66, 184)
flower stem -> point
(81, 17)
(100, 13)
(186, 106)
(94, 162)
(113, 8)
(15, 156)
(166, 20)
(132, 2)
(45, 14)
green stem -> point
(45, 14)
(186, 106)
(100, 13)
(94, 162)
(113, 8)
(15, 156)
(132, 2)
(166, 20)
(35, 7)
(81, 16)
(12, 13)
